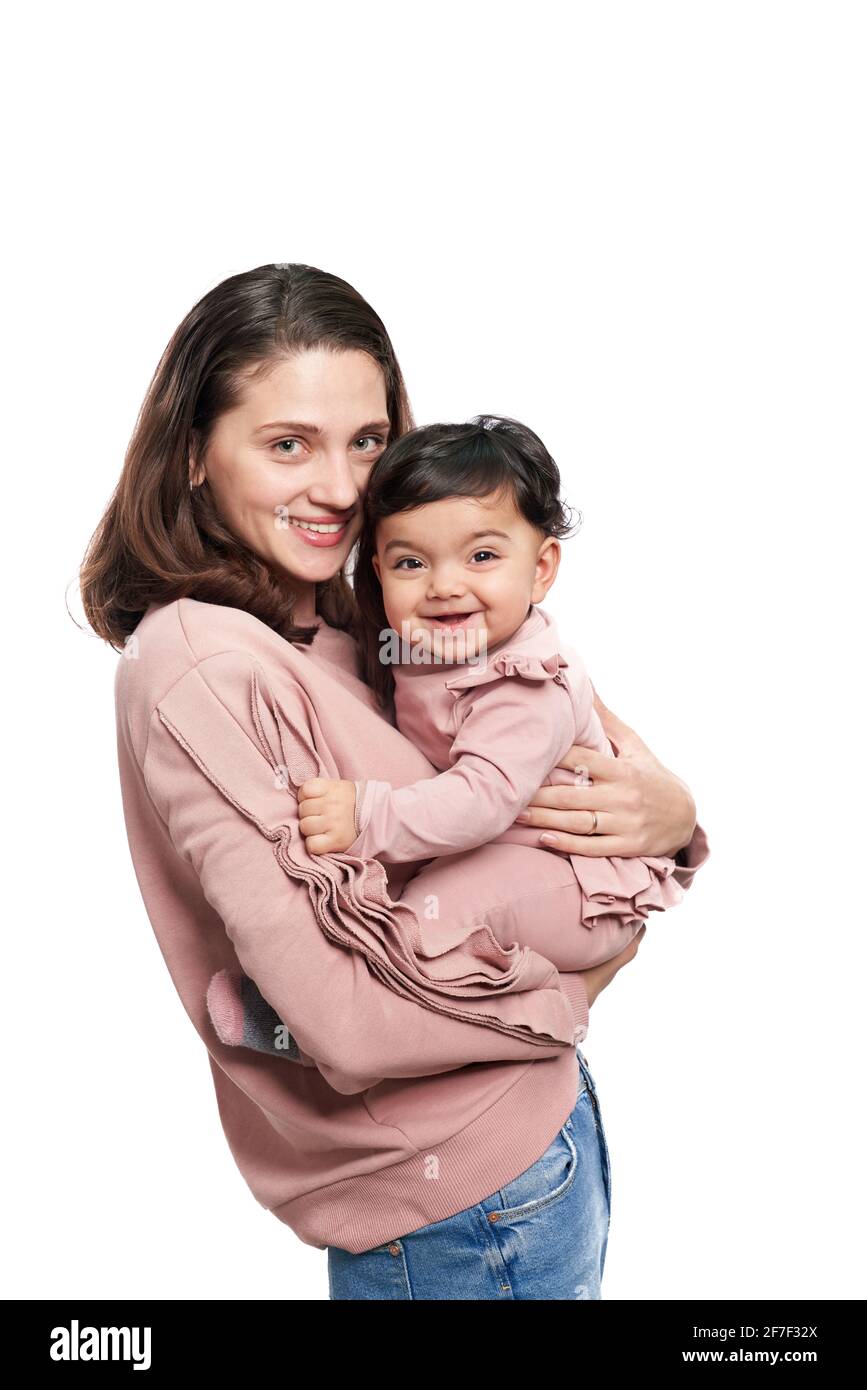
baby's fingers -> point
(314, 786)
(312, 825)
(589, 760)
(321, 843)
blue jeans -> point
(544, 1235)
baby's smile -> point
(450, 620)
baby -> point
(460, 545)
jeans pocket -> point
(545, 1182)
(380, 1273)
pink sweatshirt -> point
(496, 729)
(415, 1097)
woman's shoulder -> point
(174, 638)
(201, 629)
(227, 643)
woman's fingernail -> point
(548, 839)
(522, 815)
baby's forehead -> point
(456, 520)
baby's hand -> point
(327, 814)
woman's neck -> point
(304, 608)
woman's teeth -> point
(326, 527)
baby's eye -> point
(408, 560)
(492, 553)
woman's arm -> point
(598, 977)
(641, 807)
(213, 782)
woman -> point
(437, 1144)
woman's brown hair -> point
(158, 540)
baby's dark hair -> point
(490, 454)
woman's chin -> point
(314, 563)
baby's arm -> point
(513, 731)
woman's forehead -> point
(318, 387)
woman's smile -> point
(320, 531)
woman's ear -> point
(547, 565)
(375, 562)
(196, 469)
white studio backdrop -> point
(639, 228)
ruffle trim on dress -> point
(624, 890)
(511, 663)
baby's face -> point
(462, 564)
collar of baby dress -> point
(532, 652)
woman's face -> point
(289, 464)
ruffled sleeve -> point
(522, 665)
(342, 964)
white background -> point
(638, 227)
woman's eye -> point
(284, 446)
(407, 560)
(486, 552)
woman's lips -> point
(329, 537)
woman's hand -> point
(641, 808)
(598, 976)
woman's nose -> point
(336, 485)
